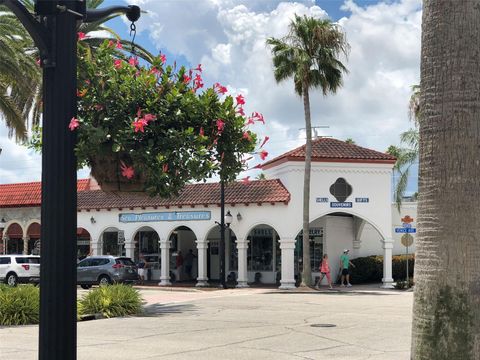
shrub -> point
(19, 305)
(370, 269)
(111, 301)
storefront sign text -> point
(321, 200)
(362, 200)
(165, 216)
(340, 204)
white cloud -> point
(228, 38)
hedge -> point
(19, 305)
(370, 269)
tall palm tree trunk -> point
(446, 312)
(307, 270)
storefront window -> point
(260, 251)
(110, 244)
(316, 250)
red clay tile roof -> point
(333, 150)
(262, 191)
(28, 194)
(253, 192)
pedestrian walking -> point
(189, 263)
(142, 269)
(179, 264)
(344, 265)
(325, 271)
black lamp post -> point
(53, 27)
(225, 221)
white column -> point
(25, 245)
(96, 243)
(387, 263)
(242, 277)
(164, 263)
(202, 279)
(287, 245)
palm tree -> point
(310, 54)
(20, 76)
(446, 311)
(407, 156)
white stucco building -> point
(350, 208)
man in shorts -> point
(344, 265)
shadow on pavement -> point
(332, 292)
(163, 309)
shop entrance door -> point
(214, 260)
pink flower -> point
(127, 171)
(119, 45)
(165, 167)
(220, 89)
(186, 79)
(264, 141)
(139, 124)
(81, 36)
(163, 58)
(263, 154)
(250, 122)
(117, 64)
(201, 133)
(247, 136)
(240, 111)
(220, 125)
(240, 100)
(87, 82)
(149, 117)
(246, 180)
(155, 71)
(133, 61)
(198, 68)
(73, 124)
(258, 117)
(110, 44)
(197, 82)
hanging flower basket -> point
(156, 128)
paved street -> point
(369, 323)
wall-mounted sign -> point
(362, 200)
(165, 216)
(321, 200)
(316, 231)
(340, 204)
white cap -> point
(346, 250)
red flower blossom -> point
(81, 36)
(263, 154)
(73, 124)
(246, 180)
(163, 58)
(155, 71)
(258, 117)
(240, 100)
(220, 125)
(220, 89)
(133, 61)
(117, 64)
(119, 45)
(197, 82)
(201, 133)
(198, 68)
(165, 167)
(127, 171)
(186, 79)
(149, 117)
(110, 43)
(247, 136)
(250, 121)
(240, 111)
(264, 141)
(139, 124)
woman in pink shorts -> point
(325, 271)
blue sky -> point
(228, 38)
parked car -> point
(104, 270)
(16, 269)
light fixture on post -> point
(239, 216)
(228, 218)
(92, 220)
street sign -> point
(407, 225)
(405, 230)
(407, 219)
(406, 240)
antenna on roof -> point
(315, 132)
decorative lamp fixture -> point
(92, 220)
(239, 216)
(228, 218)
(2, 223)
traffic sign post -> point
(407, 240)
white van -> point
(16, 269)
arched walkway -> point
(146, 241)
(14, 239)
(33, 239)
(83, 243)
(213, 255)
(112, 243)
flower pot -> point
(107, 171)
